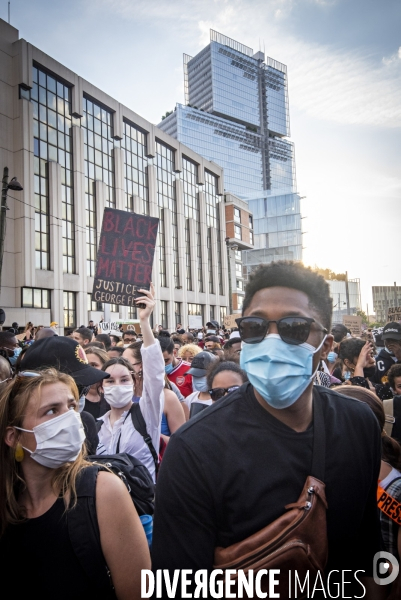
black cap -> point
(214, 324)
(200, 363)
(392, 331)
(64, 354)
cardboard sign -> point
(229, 321)
(124, 257)
(394, 313)
(195, 322)
(354, 324)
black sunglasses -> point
(217, 393)
(292, 330)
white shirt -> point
(151, 404)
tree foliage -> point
(328, 274)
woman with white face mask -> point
(117, 432)
(45, 482)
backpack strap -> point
(84, 531)
(139, 424)
(388, 406)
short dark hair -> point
(129, 332)
(85, 333)
(166, 344)
(292, 275)
(190, 336)
(99, 345)
(223, 365)
(212, 338)
(118, 349)
(116, 338)
(6, 337)
(350, 348)
(230, 343)
(103, 337)
(392, 373)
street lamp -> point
(17, 187)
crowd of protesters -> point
(218, 429)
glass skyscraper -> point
(236, 114)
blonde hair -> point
(191, 349)
(14, 400)
(102, 354)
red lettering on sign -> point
(129, 227)
(108, 221)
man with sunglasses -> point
(231, 471)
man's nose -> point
(272, 327)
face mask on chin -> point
(58, 441)
(280, 372)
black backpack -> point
(135, 476)
(139, 424)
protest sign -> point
(394, 313)
(124, 257)
(229, 321)
(354, 324)
(195, 322)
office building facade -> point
(236, 114)
(76, 150)
(385, 297)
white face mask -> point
(118, 395)
(58, 441)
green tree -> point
(330, 275)
(361, 313)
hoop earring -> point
(19, 453)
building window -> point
(94, 306)
(195, 309)
(177, 312)
(99, 166)
(70, 311)
(52, 142)
(250, 221)
(223, 313)
(35, 298)
(237, 232)
(166, 198)
(240, 284)
(191, 211)
(163, 314)
(212, 312)
(132, 312)
(240, 302)
(251, 237)
(237, 215)
(135, 167)
(238, 269)
(213, 220)
(237, 254)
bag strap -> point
(319, 441)
(388, 406)
(83, 530)
(139, 424)
(389, 505)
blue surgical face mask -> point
(280, 372)
(13, 359)
(199, 384)
(81, 403)
(332, 357)
(168, 368)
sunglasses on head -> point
(292, 330)
(217, 393)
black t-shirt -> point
(230, 471)
(96, 409)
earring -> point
(19, 453)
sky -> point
(344, 76)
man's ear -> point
(327, 346)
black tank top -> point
(37, 556)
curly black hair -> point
(392, 373)
(350, 348)
(221, 365)
(292, 275)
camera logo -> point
(385, 568)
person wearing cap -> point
(176, 368)
(390, 354)
(67, 356)
(200, 398)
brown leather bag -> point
(296, 541)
